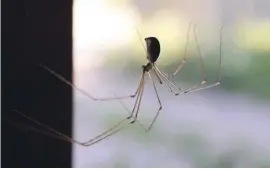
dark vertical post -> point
(34, 32)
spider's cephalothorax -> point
(147, 67)
(153, 48)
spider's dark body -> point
(153, 48)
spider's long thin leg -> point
(160, 105)
(159, 76)
(200, 86)
(123, 123)
(90, 96)
(23, 126)
(51, 130)
(114, 129)
(130, 119)
(119, 126)
(140, 100)
(137, 121)
(160, 79)
(160, 73)
(140, 38)
(56, 134)
(204, 79)
(185, 52)
(82, 91)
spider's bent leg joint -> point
(129, 117)
(179, 92)
(133, 121)
(155, 118)
(204, 81)
(179, 68)
(132, 96)
(202, 88)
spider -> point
(152, 51)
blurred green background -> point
(225, 126)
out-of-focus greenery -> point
(246, 69)
(255, 79)
(254, 36)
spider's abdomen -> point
(153, 48)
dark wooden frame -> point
(34, 32)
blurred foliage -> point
(246, 69)
(254, 35)
(255, 79)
